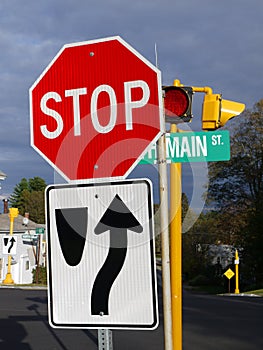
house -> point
(28, 246)
(2, 175)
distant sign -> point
(193, 147)
(40, 230)
(9, 244)
(29, 236)
(229, 274)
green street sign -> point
(203, 146)
(40, 230)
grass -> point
(29, 285)
(220, 290)
(258, 292)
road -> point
(209, 323)
(222, 322)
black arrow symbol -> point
(12, 240)
(117, 219)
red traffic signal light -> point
(178, 104)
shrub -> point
(199, 280)
(42, 275)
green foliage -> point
(36, 184)
(28, 196)
(16, 199)
(238, 183)
(194, 244)
(42, 275)
(251, 239)
(35, 205)
(199, 280)
(236, 191)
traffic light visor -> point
(216, 111)
(230, 109)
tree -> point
(196, 244)
(35, 205)
(37, 184)
(236, 190)
(16, 198)
(28, 196)
(239, 182)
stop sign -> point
(95, 109)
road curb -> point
(23, 287)
(239, 295)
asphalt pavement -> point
(210, 322)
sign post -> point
(164, 226)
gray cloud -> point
(201, 42)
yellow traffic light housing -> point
(216, 111)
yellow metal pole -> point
(237, 272)
(13, 213)
(176, 250)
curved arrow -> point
(117, 219)
(12, 240)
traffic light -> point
(216, 111)
(178, 104)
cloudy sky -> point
(201, 42)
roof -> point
(2, 175)
(19, 226)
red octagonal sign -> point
(95, 109)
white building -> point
(26, 248)
(2, 177)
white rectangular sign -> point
(9, 244)
(101, 255)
